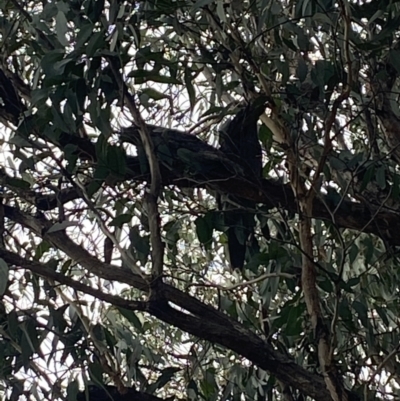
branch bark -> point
(352, 215)
(151, 199)
(192, 316)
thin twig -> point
(151, 198)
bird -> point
(239, 141)
(238, 138)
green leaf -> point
(353, 281)
(95, 9)
(60, 66)
(201, 4)
(102, 149)
(116, 160)
(40, 94)
(99, 177)
(346, 314)
(165, 378)
(62, 226)
(303, 42)
(41, 249)
(302, 70)
(144, 76)
(4, 270)
(71, 156)
(204, 229)
(62, 28)
(369, 250)
(80, 93)
(353, 253)
(26, 349)
(58, 120)
(368, 175)
(172, 229)
(283, 68)
(72, 390)
(18, 183)
(294, 323)
(190, 88)
(325, 284)
(85, 32)
(96, 372)
(383, 314)
(131, 317)
(96, 43)
(69, 117)
(221, 11)
(362, 312)
(324, 71)
(209, 385)
(120, 220)
(381, 176)
(154, 94)
(396, 187)
(103, 121)
(30, 339)
(193, 390)
(394, 56)
(139, 242)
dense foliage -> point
(114, 274)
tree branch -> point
(193, 316)
(151, 199)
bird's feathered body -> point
(239, 154)
(239, 141)
(239, 138)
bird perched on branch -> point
(239, 141)
(239, 155)
(180, 151)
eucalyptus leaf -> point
(62, 226)
(4, 271)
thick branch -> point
(200, 320)
(44, 271)
(235, 337)
(220, 177)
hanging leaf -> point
(204, 229)
(4, 270)
(139, 242)
(62, 226)
(145, 76)
(62, 28)
(120, 220)
(190, 88)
